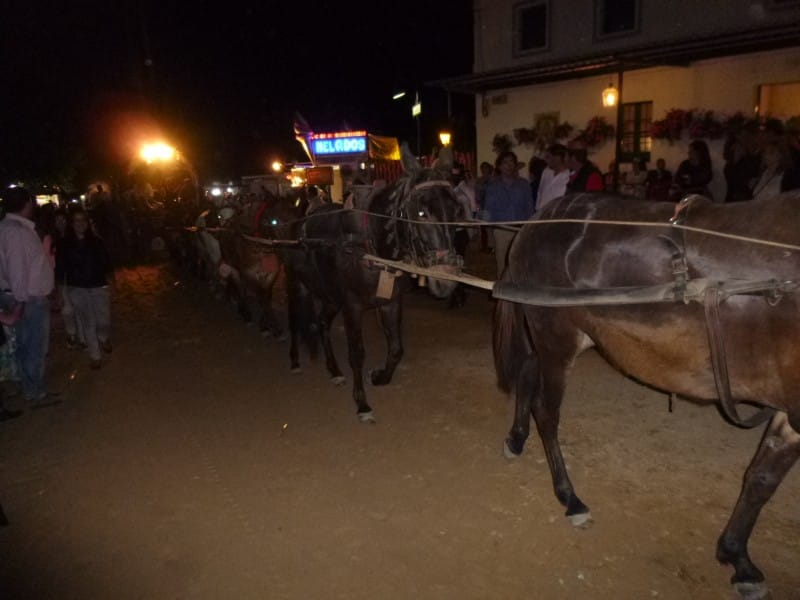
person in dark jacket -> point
(694, 174)
(84, 267)
(586, 177)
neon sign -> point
(342, 142)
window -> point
(616, 17)
(531, 30)
(636, 140)
(778, 100)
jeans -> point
(93, 310)
(33, 338)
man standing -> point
(554, 178)
(508, 198)
(27, 273)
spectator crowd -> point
(50, 260)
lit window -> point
(636, 140)
(531, 27)
(616, 17)
(778, 100)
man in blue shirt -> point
(508, 198)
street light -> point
(610, 96)
(277, 166)
(445, 137)
(416, 111)
(157, 151)
(160, 151)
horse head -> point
(425, 205)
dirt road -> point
(193, 465)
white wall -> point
(724, 85)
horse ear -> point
(444, 162)
(410, 163)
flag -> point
(302, 131)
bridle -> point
(407, 220)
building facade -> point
(543, 63)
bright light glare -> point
(216, 192)
(277, 166)
(157, 151)
(398, 95)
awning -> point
(680, 52)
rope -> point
(519, 224)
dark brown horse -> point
(400, 222)
(744, 348)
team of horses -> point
(711, 318)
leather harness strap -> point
(719, 364)
(712, 296)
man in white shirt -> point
(554, 178)
(26, 273)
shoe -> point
(106, 347)
(7, 415)
(95, 364)
(45, 400)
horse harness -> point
(682, 289)
(401, 212)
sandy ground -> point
(193, 465)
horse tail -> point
(510, 345)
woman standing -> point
(83, 266)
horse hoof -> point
(340, 380)
(581, 520)
(508, 452)
(752, 590)
(295, 370)
(366, 417)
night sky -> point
(224, 81)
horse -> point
(250, 270)
(404, 221)
(572, 285)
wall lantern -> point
(445, 137)
(610, 96)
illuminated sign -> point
(341, 142)
(319, 176)
(354, 145)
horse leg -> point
(546, 408)
(294, 308)
(778, 451)
(391, 316)
(527, 387)
(269, 323)
(355, 347)
(326, 317)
